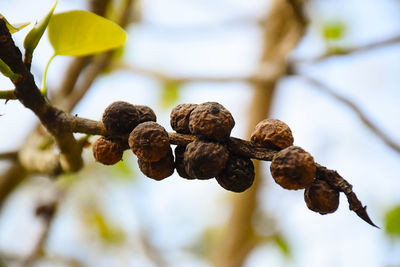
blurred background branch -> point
(246, 222)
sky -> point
(217, 39)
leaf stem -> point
(6, 71)
(9, 94)
(43, 90)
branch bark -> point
(17, 172)
(29, 95)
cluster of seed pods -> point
(208, 155)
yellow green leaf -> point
(79, 33)
(392, 222)
(333, 30)
(282, 244)
(16, 27)
(33, 37)
(6, 71)
(170, 93)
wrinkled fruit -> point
(272, 133)
(293, 168)
(149, 141)
(211, 120)
(238, 174)
(120, 118)
(179, 118)
(158, 170)
(321, 197)
(106, 151)
(205, 160)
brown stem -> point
(339, 183)
(47, 213)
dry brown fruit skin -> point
(293, 168)
(158, 170)
(272, 133)
(120, 118)
(179, 162)
(238, 174)
(321, 197)
(179, 118)
(149, 141)
(211, 120)
(145, 113)
(205, 160)
(106, 151)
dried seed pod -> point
(179, 162)
(321, 197)
(204, 160)
(107, 151)
(149, 141)
(272, 133)
(238, 174)
(160, 169)
(145, 114)
(212, 121)
(120, 118)
(179, 118)
(293, 168)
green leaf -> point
(282, 245)
(170, 93)
(333, 30)
(6, 71)
(16, 27)
(79, 33)
(33, 37)
(108, 232)
(392, 222)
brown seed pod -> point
(272, 133)
(149, 141)
(120, 118)
(238, 174)
(321, 197)
(212, 121)
(145, 114)
(179, 118)
(106, 151)
(179, 162)
(160, 169)
(204, 160)
(293, 168)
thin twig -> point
(8, 95)
(11, 155)
(357, 110)
(350, 50)
(198, 79)
(47, 213)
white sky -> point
(176, 210)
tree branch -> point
(350, 50)
(12, 155)
(357, 110)
(46, 212)
(29, 95)
(16, 173)
(237, 146)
